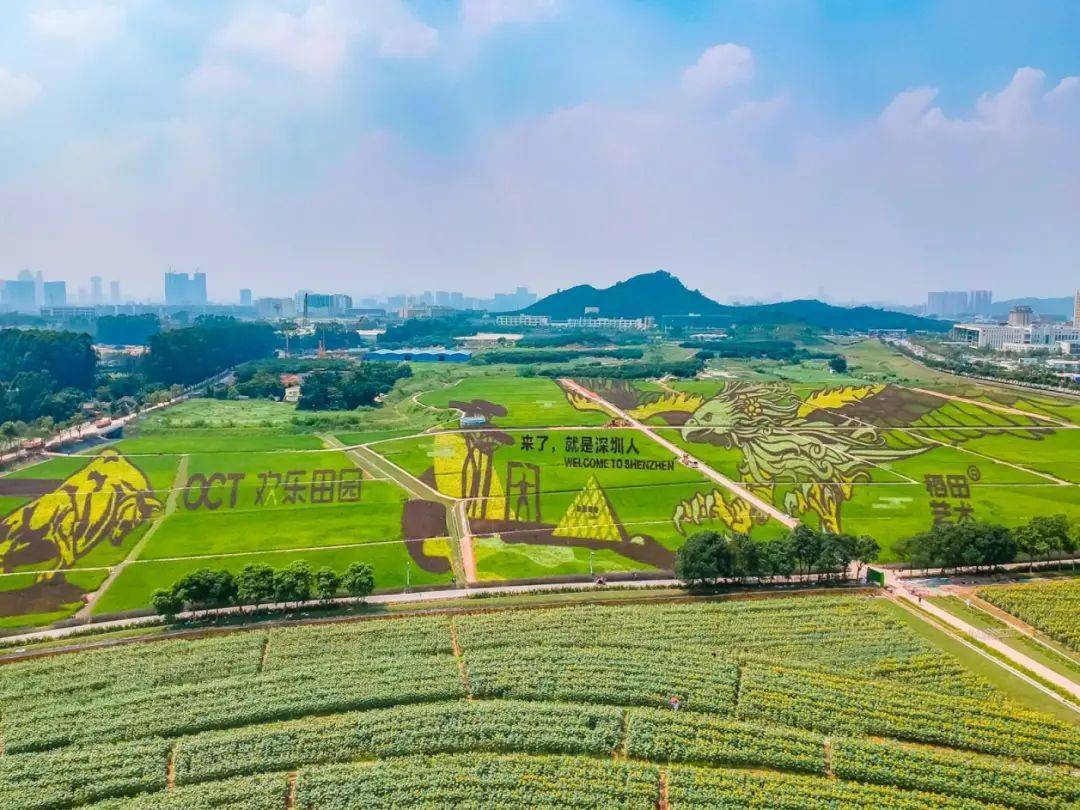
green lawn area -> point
(498, 560)
(1063, 663)
(1057, 453)
(133, 588)
(529, 401)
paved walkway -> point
(1044, 672)
(758, 502)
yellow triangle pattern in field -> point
(589, 515)
(833, 398)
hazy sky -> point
(873, 149)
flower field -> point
(792, 702)
(1053, 607)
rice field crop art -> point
(60, 524)
(877, 459)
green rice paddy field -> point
(553, 488)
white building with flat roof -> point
(1003, 337)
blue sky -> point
(755, 148)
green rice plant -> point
(482, 780)
(604, 675)
(458, 726)
(76, 774)
(728, 790)
(831, 703)
(1053, 607)
(129, 668)
(262, 792)
(667, 736)
(283, 694)
(955, 773)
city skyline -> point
(395, 145)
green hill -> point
(663, 296)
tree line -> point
(212, 345)
(710, 557)
(44, 375)
(950, 546)
(359, 386)
(553, 355)
(259, 584)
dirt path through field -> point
(735, 488)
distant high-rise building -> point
(274, 309)
(1021, 316)
(18, 296)
(980, 301)
(947, 303)
(25, 275)
(97, 292)
(457, 300)
(114, 292)
(1076, 310)
(245, 298)
(184, 290)
(442, 298)
(54, 294)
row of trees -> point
(259, 584)
(44, 376)
(624, 371)
(985, 545)
(709, 557)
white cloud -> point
(216, 78)
(479, 17)
(316, 40)
(720, 67)
(1019, 107)
(16, 92)
(89, 24)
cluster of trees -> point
(709, 557)
(126, 330)
(985, 545)
(553, 355)
(210, 346)
(424, 331)
(623, 371)
(44, 376)
(329, 335)
(329, 390)
(257, 584)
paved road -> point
(900, 588)
(738, 489)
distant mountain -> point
(1056, 307)
(661, 295)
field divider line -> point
(962, 449)
(463, 668)
(133, 556)
(290, 793)
(170, 769)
